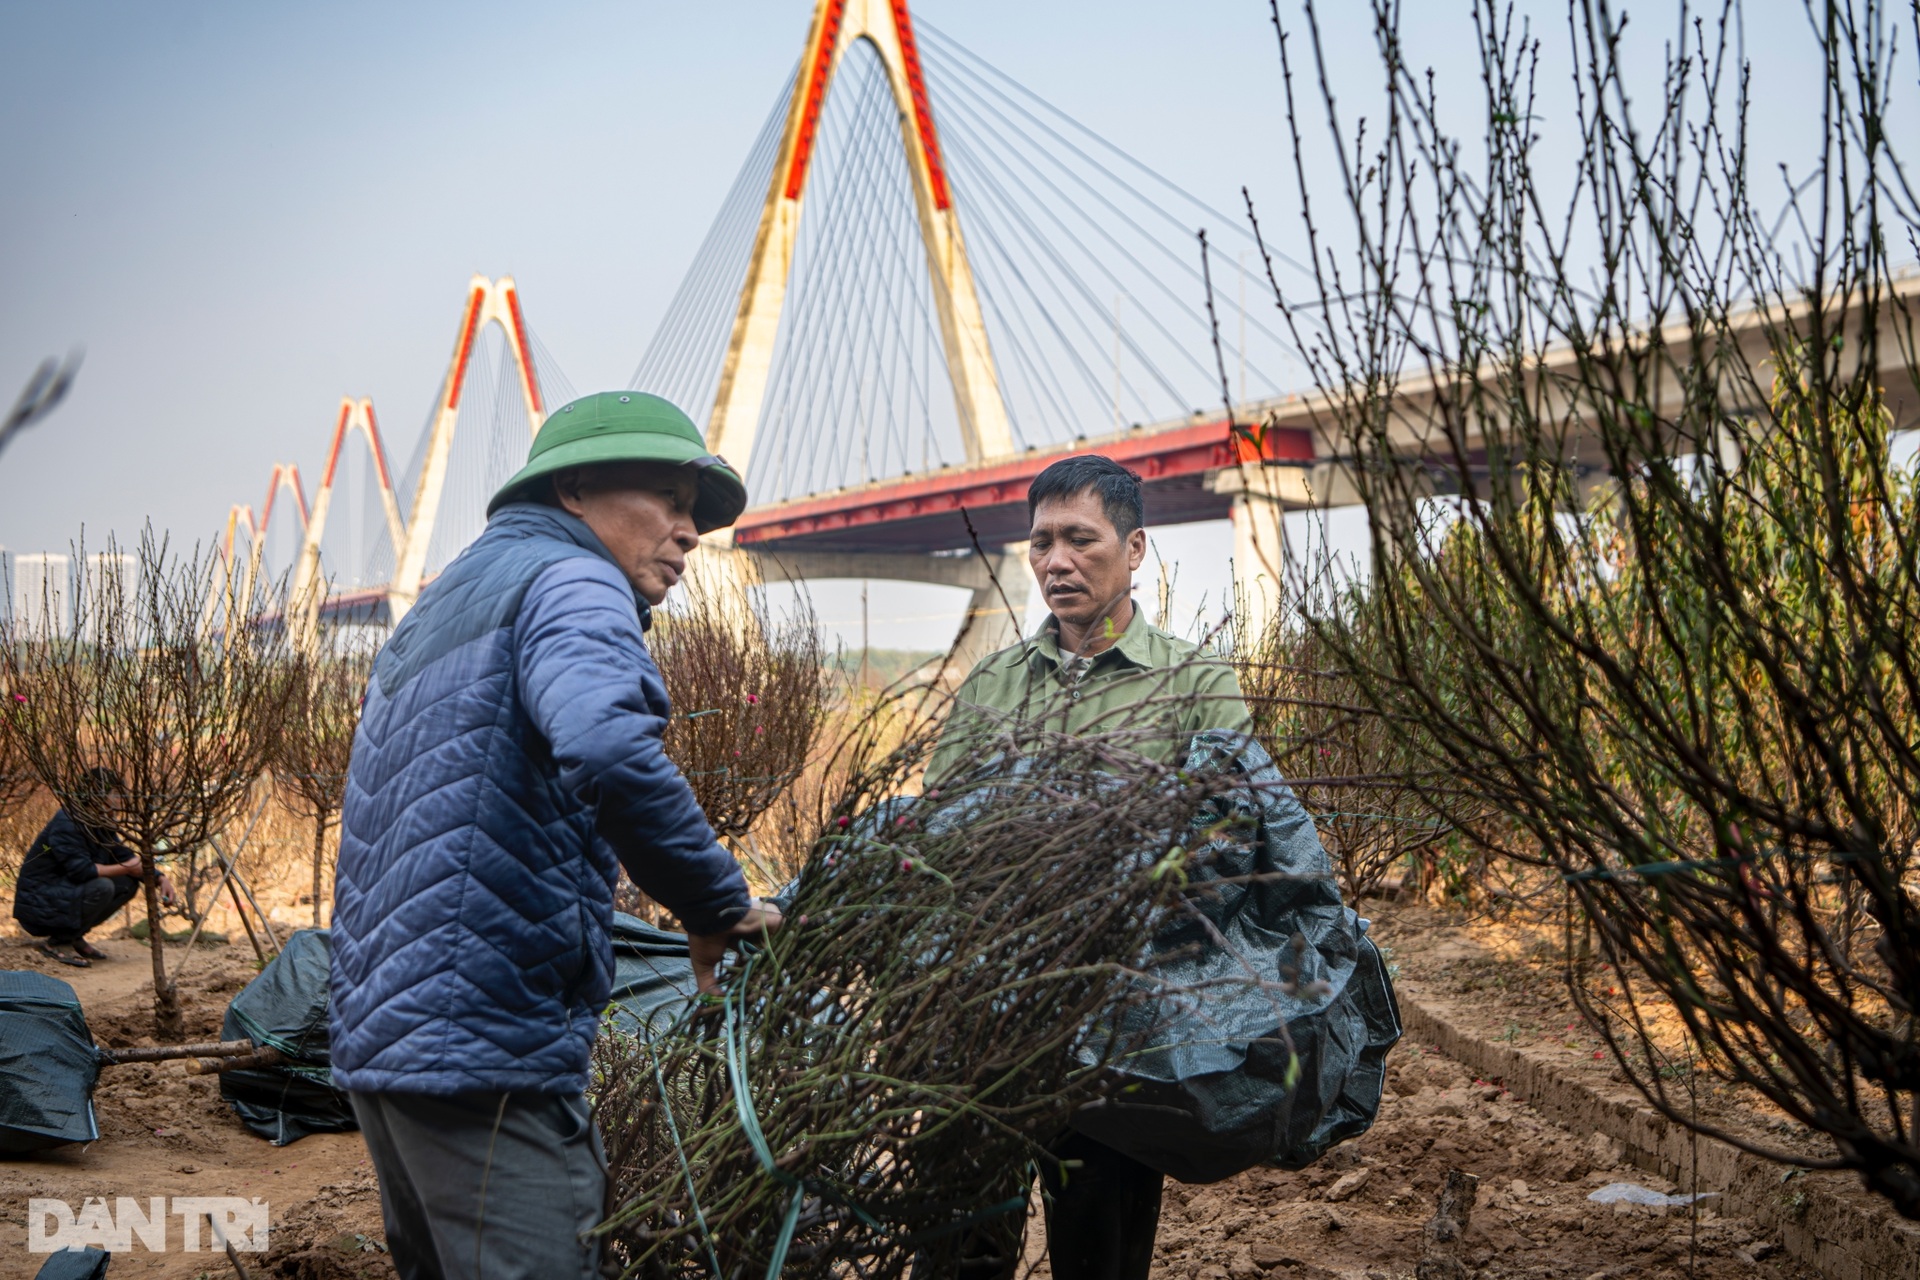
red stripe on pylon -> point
(339, 438)
(465, 348)
(379, 448)
(922, 108)
(820, 68)
(526, 354)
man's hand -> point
(164, 887)
(707, 949)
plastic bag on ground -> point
(285, 1008)
(652, 976)
(47, 1065)
(1264, 1035)
(1634, 1193)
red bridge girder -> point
(924, 513)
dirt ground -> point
(163, 1133)
(1361, 1211)
(1502, 979)
(1358, 1215)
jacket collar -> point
(99, 837)
(538, 520)
(1135, 645)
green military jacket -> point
(1153, 690)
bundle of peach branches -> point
(879, 1077)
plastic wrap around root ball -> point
(1268, 1014)
(47, 1065)
(1260, 1031)
(912, 1037)
(652, 977)
(285, 1008)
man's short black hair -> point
(1119, 489)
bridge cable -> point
(849, 228)
(1034, 242)
(1181, 262)
(682, 362)
(962, 59)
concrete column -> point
(992, 622)
(1259, 562)
(1261, 498)
(995, 613)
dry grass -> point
(1354, 770)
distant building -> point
(41, 594)
(107, 586)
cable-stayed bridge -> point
(925, 284)
(367, 561)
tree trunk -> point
(167, 1023)
(1444, 1230)
(319, 853)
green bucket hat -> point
(629, 426)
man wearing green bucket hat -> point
(507, 764)
(617, 427)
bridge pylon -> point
(985, 432)
(231, 590)
(411, 532)
(488, 302)
(887, 27)
(305, 592)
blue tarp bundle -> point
(47, 1064)
(285, 1008)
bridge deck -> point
(927, 513)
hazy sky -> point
(244, 211)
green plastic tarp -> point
(285, 1008)
(47, 1065)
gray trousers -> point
(500, 1186)
(99, 897)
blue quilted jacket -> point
(508, 753)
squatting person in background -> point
(74, 878)
(507, 764)
(1096, 664)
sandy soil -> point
(1359, 1214)
(1503, 980)
(1361, 1211)
(163, 1133)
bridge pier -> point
(1000, 582)
(1262, 495)
(998, 607)
(1259, 563)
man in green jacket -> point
(1096, 665)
